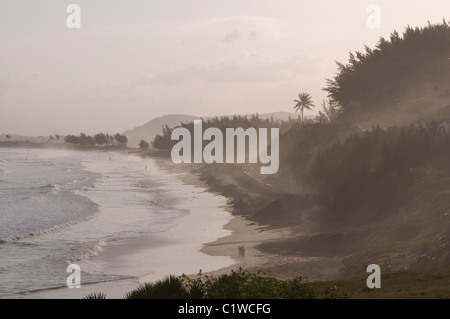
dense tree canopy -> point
(372, 171)
(396, 66)
(164, 141)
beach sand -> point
(249, 234)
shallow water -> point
(120, 217)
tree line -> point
(164, 141)
(371, 172)
(99, 139)
(396, 66)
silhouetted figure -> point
(241, 251)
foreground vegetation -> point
(384, 74)
(374, 171)
(433, 283)
(239, 284)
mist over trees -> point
(373, 171)
(164, 141)
(143, 144)
(331, 111)
(396, 66)
(100, 139)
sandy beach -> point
(249, 234)
(209, 223)
(153, 226)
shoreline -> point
(249, 234)
(182, 242)
(198, 217)
(239, 230)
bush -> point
(373, 171)
(95, 295)
(242, 284)
(143, 144)
(170, 287)
(239, 284)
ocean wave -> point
(158, 202)
(96, 280)
(46, 230)
(48, 189)
(73, 181)
(90, 249)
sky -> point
(135, 60)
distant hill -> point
(153, 127)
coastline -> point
(238, 229)
(194, 215)
(249, 234)
(178, 249)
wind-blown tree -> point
(72, 139)
(110, 139)
(398, 65)
(331, 110)
(143, 144)
(101, 139)
(121, 139)
(304, 102)
(86, 139)
(374, 171)
(164, 141)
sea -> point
(120, 217)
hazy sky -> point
(135, 60)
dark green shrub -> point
(170, 287)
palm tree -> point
(304, 102)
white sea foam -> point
(90, 249)
(46, 230)
(85, 207)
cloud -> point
(255, 35)
(237, 36)
(242, 68)
(234, 29)
(232, 37)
